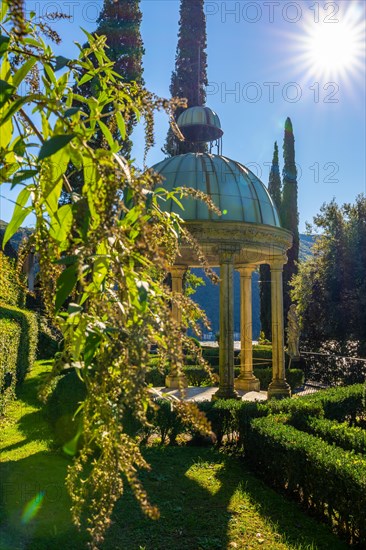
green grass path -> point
(207, 500)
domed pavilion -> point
(247, 234)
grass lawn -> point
(207, 499)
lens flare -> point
(32, 508)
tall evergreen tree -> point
(274, 189)
(189, 79)
(120, 21)
(289, 210)
(274, 184)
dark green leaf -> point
(4, 43)
(19, 215)
(54, 144)
(71, 111)
(13, 108)
(85, 79)
(61, 62)
(68, 260)
(6, 91)
(23, 175)
(23, 71)
(65, 284)
(121, 125)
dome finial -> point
(200, 124)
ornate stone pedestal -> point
(279, 389)
(175, 382)
(247, 384)
(225, 393)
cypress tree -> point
(120, 22)
(274, 189)
(189, 79)
(289, 211)
(274, 184)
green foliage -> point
(28, 328)
(325, 478)
(341, 403)
(289, 211)
(330, 286)
(189, 79)
(103, 255)
(262, 355)
(120, 23)
(9, 348)
(69, 391)
(211, 355)
(197, 375)
(164, 417)
(11, 290)
(339, 433)
(191, 282)
(49, 340)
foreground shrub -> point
(166, 420)
(9, 346)
(62, 405)
(49, 340)
(328, 480)
(27, 348)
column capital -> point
(245, 270)
(178, 270)
(226, 257)
(277, 265)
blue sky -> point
(266, 60)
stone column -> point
(226, 357)
(246, 380)
(173, 380)
(278, 387)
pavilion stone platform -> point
(247, 234)
(197, 395)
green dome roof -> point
(200, 124)
(235, 190)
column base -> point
(225, 393)
(247, 384)
(176, 382)
(279, 389)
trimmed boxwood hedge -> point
(262, 356)
(340, 433)
(343, 403)
(9, 346)
(328, 480)
(27, 348)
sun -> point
(331, 48)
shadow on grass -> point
(194, 518)
(190, 516)
(24, 481)
(288, 518)
(28, 391)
